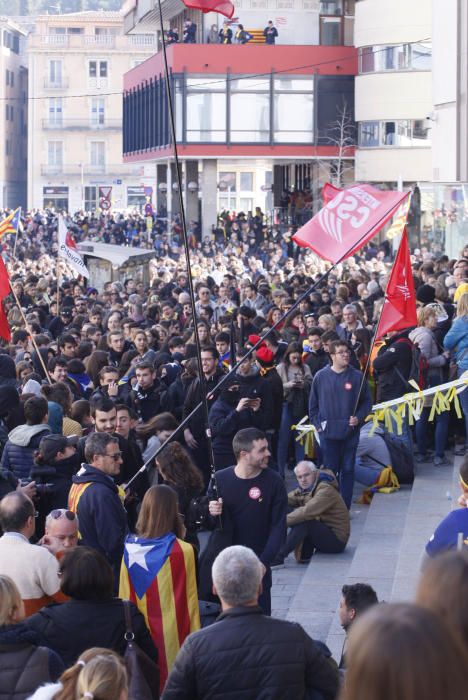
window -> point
(98, 154)
(227, 182)
(399, 133)
(246, 204)
(98, 69)
(90, 194)
(12, 79)
(7, 77)
(55, 111)
(98, 111)
(293, 120)
(7, 112)
(55, 153)
(246, 182)
(368, 134)
(55, 72)
(250, 110)
(399, 57)
(206, 110)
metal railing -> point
(86, 169)
(56, 84)
(81, 125)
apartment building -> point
(76, 67)
(13, 115)
(254, 121)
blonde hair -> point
(329, 319)
(462, 305)
(99, 674)
(10, 601)
(424, 313)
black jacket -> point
(72, 627)
(146, 402)
(193, 398)
(392, 367)
(317, 360)
(246, 655)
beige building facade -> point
(393, 91)
(13, 115)
(76, 67)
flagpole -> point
(17, 232)
(58, 286)
(28, 328)
(249, 352)
(202, 381)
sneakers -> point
(460, 451)
(441, 461)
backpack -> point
(419, 366)
(400, 457)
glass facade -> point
(401, 57)
(397, 133)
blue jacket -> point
(101, 515)
(457, 340)
(18, 453)
(332, 402)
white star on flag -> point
(137, 554)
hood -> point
(328, 477)
(32, 387)
(55, 419)
(47, 692)
(89, 474)
(22, 435)
(418, 334)
(18, 634)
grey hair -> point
(305, 463)
(49, 519)
(237, 575)
(96, 444)
(351, 307)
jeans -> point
(315, 535)
(340, 456)
(441, 432)
(284, 438)
(365, 473)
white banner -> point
(67, 249)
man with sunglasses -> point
(97, 500)
(61, 531)
(338, 404)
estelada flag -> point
(399, 308)
(5, 331)
(224, 7)
(348, 220)
(11, 223)
(158, 575)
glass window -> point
(395, 57)
(250, 117)
(388, 133)
(92, 69)
(331, 31)
(206, 117)
(55, 153)
(98, 153)
(55, 72)
(250, 85)
(403, 133)
(293, 119)
(227, 182)
(420, 132)
(246, 204)
(246, 182)
(97, 111)
(287, 84)
(331, 7)
(103, 69)
(421, 56)
(90, 198)
(369, 134)
(205, 84)
(55, 111)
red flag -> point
(348, 220)
(399, 309)
(224, 7)
(5, 332)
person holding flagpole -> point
(339, 402)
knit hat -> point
(425, 294)
(264, 356)
(253, 339)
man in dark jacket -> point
(246, 654)
(316, 357)
(270, 33)
(18, 454)
(392, 368)
(145, 395)
(95, 498)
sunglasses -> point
(60, 513)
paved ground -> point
(385, 550)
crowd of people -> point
(227, 34)
(97, 383)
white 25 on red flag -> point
(349, 219)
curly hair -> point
(176, 467)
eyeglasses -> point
(116, 456)
(62, 513)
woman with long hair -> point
(179, 472)
(158, 575)
(403, 652)
(297, 379)
(456, 341)
(153, 434)
(94, 363)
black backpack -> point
(400, 457)
(419, 366)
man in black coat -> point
(247, 655)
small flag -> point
(11, 223)
(224, 7)
(67, 249)
(158, 575)
(348, 220)
(5, 332)
(399, 309)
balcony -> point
(92, 42)
(87, 170)
(56, 84)
(81, 125)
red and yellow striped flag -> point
(158, 575)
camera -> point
(42, 489)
